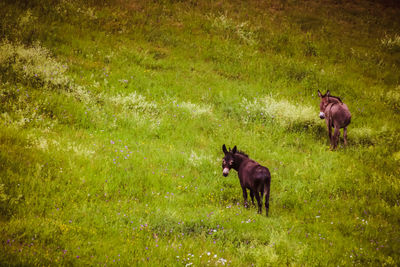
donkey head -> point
(228, 161)
(324, 102)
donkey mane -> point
(239, 152)
(336, 97)
(242, 153)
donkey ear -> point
(328, 93)
(319, 94)
(224, 149)
(234, 150)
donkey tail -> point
(267, 186)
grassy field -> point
(113, 115)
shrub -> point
(32, 66)
(391, 43)
(283, 112)
(392, 98)
(241, 31)
(196, 109)
(134, 102)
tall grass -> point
(113, 116)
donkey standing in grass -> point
(336, 115)
(251, 174)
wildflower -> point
(222, 261)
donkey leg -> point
(266, 193)
(245, 197)
(328, 124)
(330, 133)
(259, 202)
(335, 138)
(345, 136)
(252, 196)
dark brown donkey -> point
(251, 174)
(336, 115)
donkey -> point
(336, 115)
(251, 174)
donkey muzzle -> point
(225, 171)
(322, 115)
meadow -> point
(113, 115)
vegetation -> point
(113, 115)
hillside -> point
(114, 114)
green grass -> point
(113, 115)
